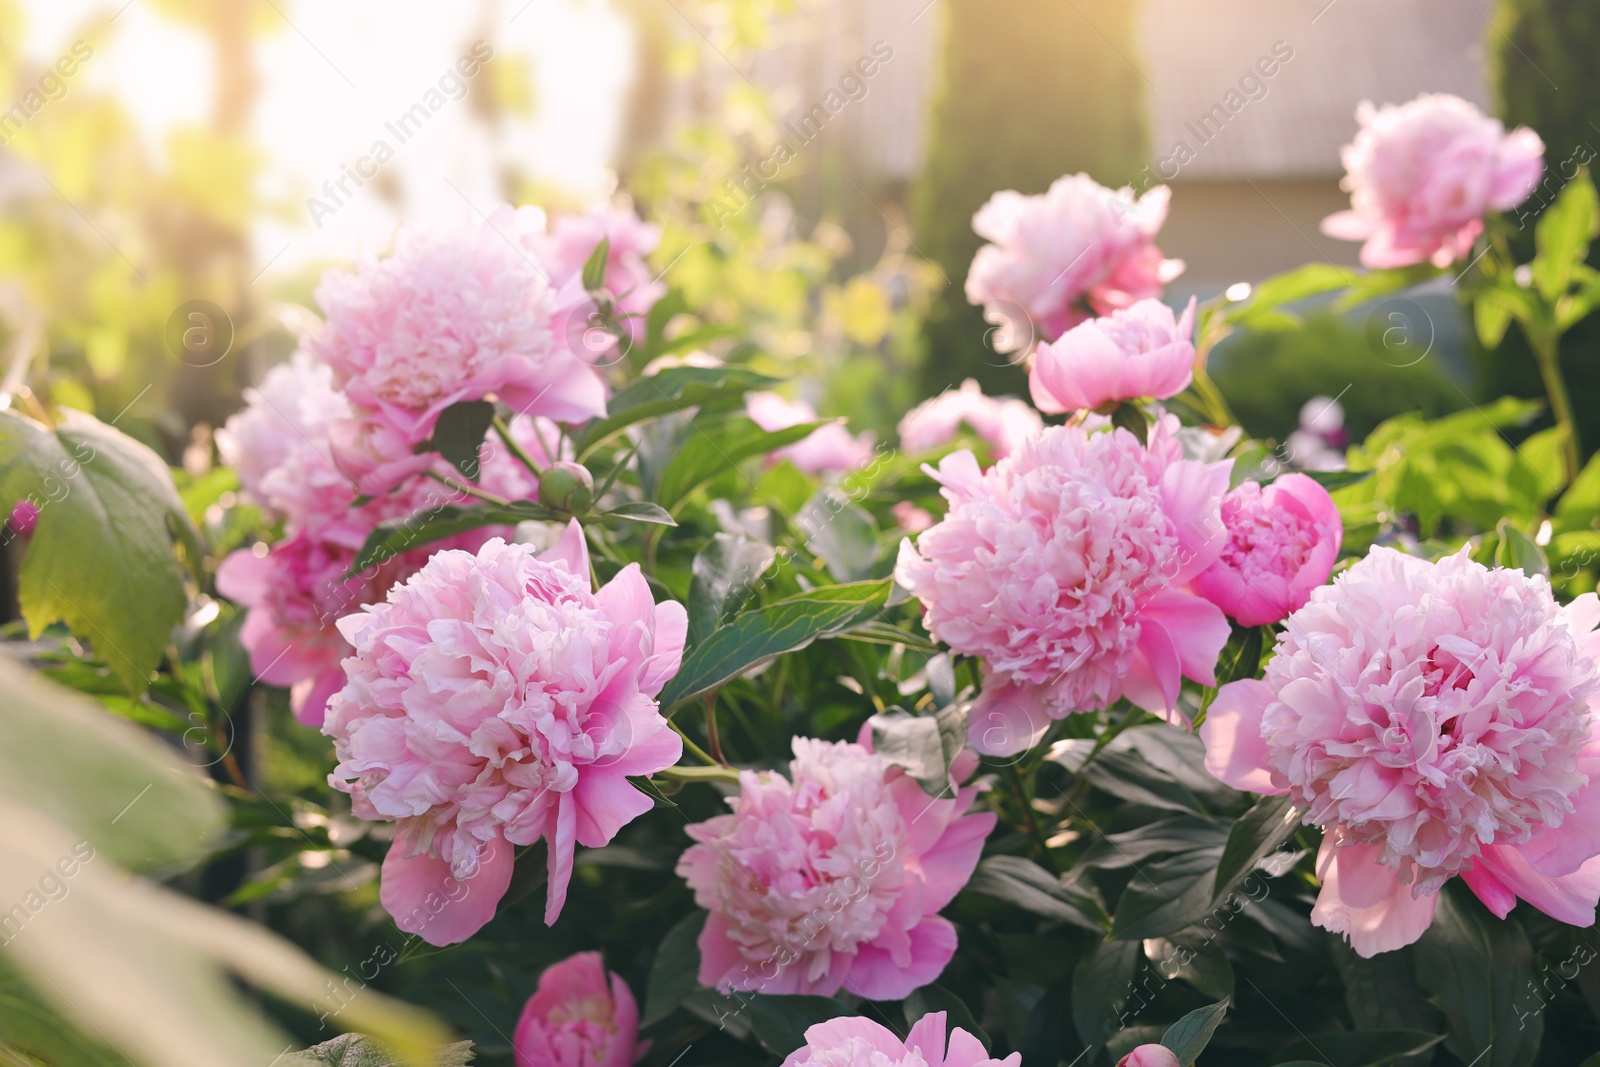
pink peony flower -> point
(581, 1016)
(1143, 351)
(1065, 566)
(829, 449)
(911, 518)
(1078, 250)
(1003, 421)
(570, 242)
(494, 700)
(1434, 719)
(1422, 175)
(447, 318)
(1150, 1056)
(284, 424)
(832, 880)
(1282, 542)
(855, 1041)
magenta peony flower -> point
(1066, 566)
(856, 1041)
(829, 449)
(833, 880)
(581, 1016)
(570, 242)
(1434, 719)
(494, 700)
(1078, 250)
(1143, 351)
(447, 318)
(1003, 421)
(1150, 1056)
(1422, 175)
(1282, 543)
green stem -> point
(712, 738)
(688, 743)
(1030, 820)
(1547, 351)
(469, 490)
(1216, 407)
(501, 428)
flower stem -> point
(517, 450)
(1030, 821)
(470, 490)
(1547, 351)
(688, 743)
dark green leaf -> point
(725, 573)
(594, 268)
(1362, 1049)
(932, 998)
(1128, 776)
(1381, 992)
(401, 535)
(1167, 896)
(714, 447)
(1188, 1037)
(358, 1050)
(781, 1021)
(1196, 957)
(673, 974)
(459, 433)
(878, 632)
(925, 745)
(1101, 984)
(674, 390)
(641, 511)
(758, 636)
(1517, 551)
(1178, 833)
(1027, 885)
(1562, 236)
(1131, 417)
(1257, 832)
(843, 534)
(1479, 969)
(101, 558)
(649, 788)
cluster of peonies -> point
(1422, 175)
(832, 878)
(493, 700)
(336, 440)
(1434, 719)
(1057, 259)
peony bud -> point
(24, 517)
(1150, 1056)
(567, 487)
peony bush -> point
(1088, 730)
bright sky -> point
(344, 68)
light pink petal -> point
(1006, 719)
(876, 976)
(1489, 889)
(1153, 680)
(1236, 753)
(606, 801)
(308, 699)
(568, 391)
(1193, 492)
(720, 961)
(561, 842)
(1347, 226)
(672, 629)
(1197, 628)
(927, 1036)
(836, 1032)
(427, 900)
(1570, 898)
(571, 550)
(1366, 901)
(1561, 850)
(948, 866)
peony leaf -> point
(640, 511)
(1188, 1037)
(1257, 832)
(717, 446)
(843, 534)
(1100, 985)
(925, 745)
(101, 558)
(413, 531)
(781, 1021)
(673, 975)
(725, 574)
(1027, 885)
(676, 390)
(1518, 551)
(1362, 1049)
(459, 433)
(1166, 896)
(1562, 236)
(359, 1050)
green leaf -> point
(878, 632)
(1260, 309)
(1131, 417)
(1257, 832)
(673, 974)
(780, 1021)
(1491, 318)
(594, 268)
(1100, 983)
(101, 558)
(1516, 551)
(1371, 1048)
(1177, 833)
(723, 576)
(675, 390)
(1167, 896)
(758, 636)
(395, 536)
(1025, 884)
(459, 434)
(1188, 1037)
(1478, 970)
(1331, 480)
(1562, 236)
(925, 745)
(641, 511)
(843, 534)
(359, 1050)
(935, 997)
(1579, 507)
(716, 446)
(1369, 285)
(1127, 776)
(1381, 991)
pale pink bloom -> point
(1150, 1056)
(447, 318)
(284, 418)
(856, 1041)
(1434, 719)
(495, 700)
(1144, 351)
(829, 449)
(1422, 175)
(633, 286)
(832, 878)
(911, 518)
(23, 518)
(1066, 568)
(581, 1016)
(1003, 421)
(294, 594)
(1078, 250)
(1283, 540)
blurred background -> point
(820, 157)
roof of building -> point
(1194, 52)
